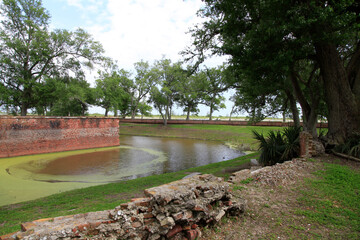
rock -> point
(318, 148)
(168, 221)
(254, 162)
(192, 174)
(220, 215)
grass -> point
(99, 198)
(332, 200)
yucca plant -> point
(351, 146)
(278, 146)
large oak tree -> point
(30, 52)
(284, 33)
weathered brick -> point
(83, 227)
(7, 236)
(192, 234)
(35, 135)
(148, 215)
(198, 209)
(136, 224)
(149, 220)
(175, 230)
(194, 226)
(186, 227)
(124, 206)
(178, 216)
(141, 202)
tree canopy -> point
(30, 52)
(269, 42)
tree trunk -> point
(169, 112)
(211, 110)
(284, 116)
(343, 105)
(188, 114)
(106, 112)
(166, 113)
(24, 108)
(293, 108)
(309, 109)
(134, 108)
(231, 112)
(310, 122)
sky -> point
(133, 30)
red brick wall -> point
(34, 135)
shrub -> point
(278, 146)
(351, 146)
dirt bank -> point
(279, 201)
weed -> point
(246, 181)
(237, 187)
(266, 205)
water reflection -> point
(30, 177)
(150, 156)
(107, 162)
(183, 153)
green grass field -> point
(332, 200)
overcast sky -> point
(133, 30)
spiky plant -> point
(278, 147)
(292, 143)
(351, 146)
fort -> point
(34, 135)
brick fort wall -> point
(34, 135)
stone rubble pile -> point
(280, 174)
(173, 210)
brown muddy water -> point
(31, 177)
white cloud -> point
(135, 30)
(144, 29)
(87, 5)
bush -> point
(278, 146)
(351, 146)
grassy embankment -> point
(111, 195)
(238, 137)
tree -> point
(113, 89)
(65, 97)
(282, 33)
(144, 109)
(30, 52)
(190, 92)
(163, 95)
(214, 86)
(145, 79)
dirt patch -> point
(272, 200)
